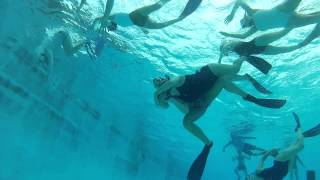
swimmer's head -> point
(246, 21)
(112, 26)
(159, 81)
(227, 46)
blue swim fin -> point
(191, 6)
(197, 167)
(312, 132)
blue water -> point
(96, 119)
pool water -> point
(83, 118)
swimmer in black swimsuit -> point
(260, 44)
(192, 94)
(282, 160)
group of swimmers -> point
(192, 94)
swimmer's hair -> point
(113, 26)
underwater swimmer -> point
(139, 17)
(241, 166)
(243, 147)
(260, 44)
(61, 38)
(281, 16)
(282, 160)
(193, 94)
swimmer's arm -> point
(108, 9)
(261, 162)
(233, 12)
(242, 35)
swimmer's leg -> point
(299, 20)
(269, 103)
(188, 123)
(150, 24)
(221, 70)
(288, 5)
(269, 38)
(152, 8)
(236, 171)
(244, 5)
(294, 149)
(225, 73)
(273, 50)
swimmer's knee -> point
(187, 123)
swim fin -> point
(258, 86)
(197, 167)
(311, 175)
(269, 103)
(312, 132)
(296, 117)
(191, 6)
(259, 63)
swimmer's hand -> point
(160, 101)
(228, 19)
(224, 33)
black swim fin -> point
(259, 63)
(191, 6)
(197, 167)
(296, 117)
(269, 103)
(312, 132)
(311, 175)
(258, 86)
